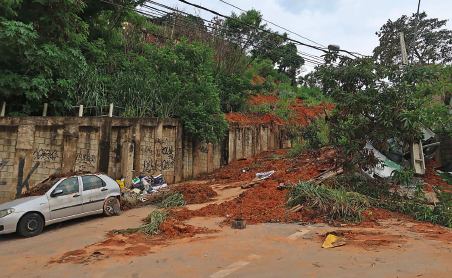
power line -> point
(275, 24)
(314, 61)
(276, 34)
(308, 62)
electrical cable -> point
(275, 24)
(244, 23)
(175, 10)
(308, 61)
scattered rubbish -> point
(332, 241)
(98, 253)
(238, 223)
(265, 175)
(121, 183)
(142, 186)
(398, 155)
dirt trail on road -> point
(198, 242)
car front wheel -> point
(30, 224)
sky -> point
(351, 24)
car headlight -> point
(5, 212)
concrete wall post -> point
(70, 138)
(127, 153)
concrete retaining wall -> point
(31, 148)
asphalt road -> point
(268, 250)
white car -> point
(68, 198)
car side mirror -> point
(56, 193)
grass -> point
(336, 203)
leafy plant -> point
(151, 225)
(173, 199)
(336, 203)
(368, 108)
(402, 176)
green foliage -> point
(152, 221)
(380, 196)
(433, 43)
(368, 108)
(402, 176)
(173, 199)
(335, 203)
(91, 53)
(314, 137)
(151, 225)
(312, 95)
(298, 148)
(32, 72)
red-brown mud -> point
(196, 193)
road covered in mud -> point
(196, 240)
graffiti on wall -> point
(203, 149)
(157, 165)
(45, 155)
(21, 182)
(3, 163)
(146, 149)
(83, 161)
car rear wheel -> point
(30, 224)
(112, 206)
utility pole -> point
(417, 153)
(415, 31)
(403, 47)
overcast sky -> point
(351, 24)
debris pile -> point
(145, 190)
(196, 193)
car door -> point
(94, 193)
(65, 199)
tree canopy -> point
(71, 52)
(433, 42)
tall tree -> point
(433, 42)
(290, 62)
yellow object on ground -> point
(333, 241)
(121, 183)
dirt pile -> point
(432, 179)
(174, 229)
(301, 113)
(264, 202)
(261, 99)
(196, 193)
